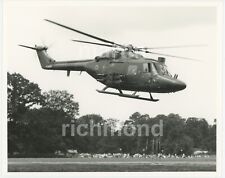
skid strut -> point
(121, 94)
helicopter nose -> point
(180, 85)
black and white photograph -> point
(102, 87)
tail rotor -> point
(45, 60)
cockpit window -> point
(115, 54)
(162, 69)
(130, 54)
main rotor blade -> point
(88, 42)
(187, 58)
(178, 46)
(86, 34)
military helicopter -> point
(122, 69)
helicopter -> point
(122, 68)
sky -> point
(149, 25)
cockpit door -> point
(149, 68)
(153, 69)
(132, 70)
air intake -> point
(162, 59)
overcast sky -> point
(141, 26)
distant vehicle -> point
(200, 152)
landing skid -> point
(134, 96)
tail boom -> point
(49, 63)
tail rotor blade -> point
(47, 45)
(28, 47)
(37, 48)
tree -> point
(35, 120)
(61, 100)
(22, 95)
(42, 131)
(179, 145)
(135, 116)
(197, 129)
(112, 123)
(88, 143)
(109, 143)
(209, 142)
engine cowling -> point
(162, 60)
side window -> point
(132, 70)
(117, 54)
(145, 67)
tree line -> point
(35, 120)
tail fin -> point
(45, 60)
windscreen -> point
(162, 69)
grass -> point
(110, 164)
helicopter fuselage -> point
(128, 71)
(135, 75)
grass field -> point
(110, 164)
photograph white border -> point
(220, 133)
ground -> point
(111, 164)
